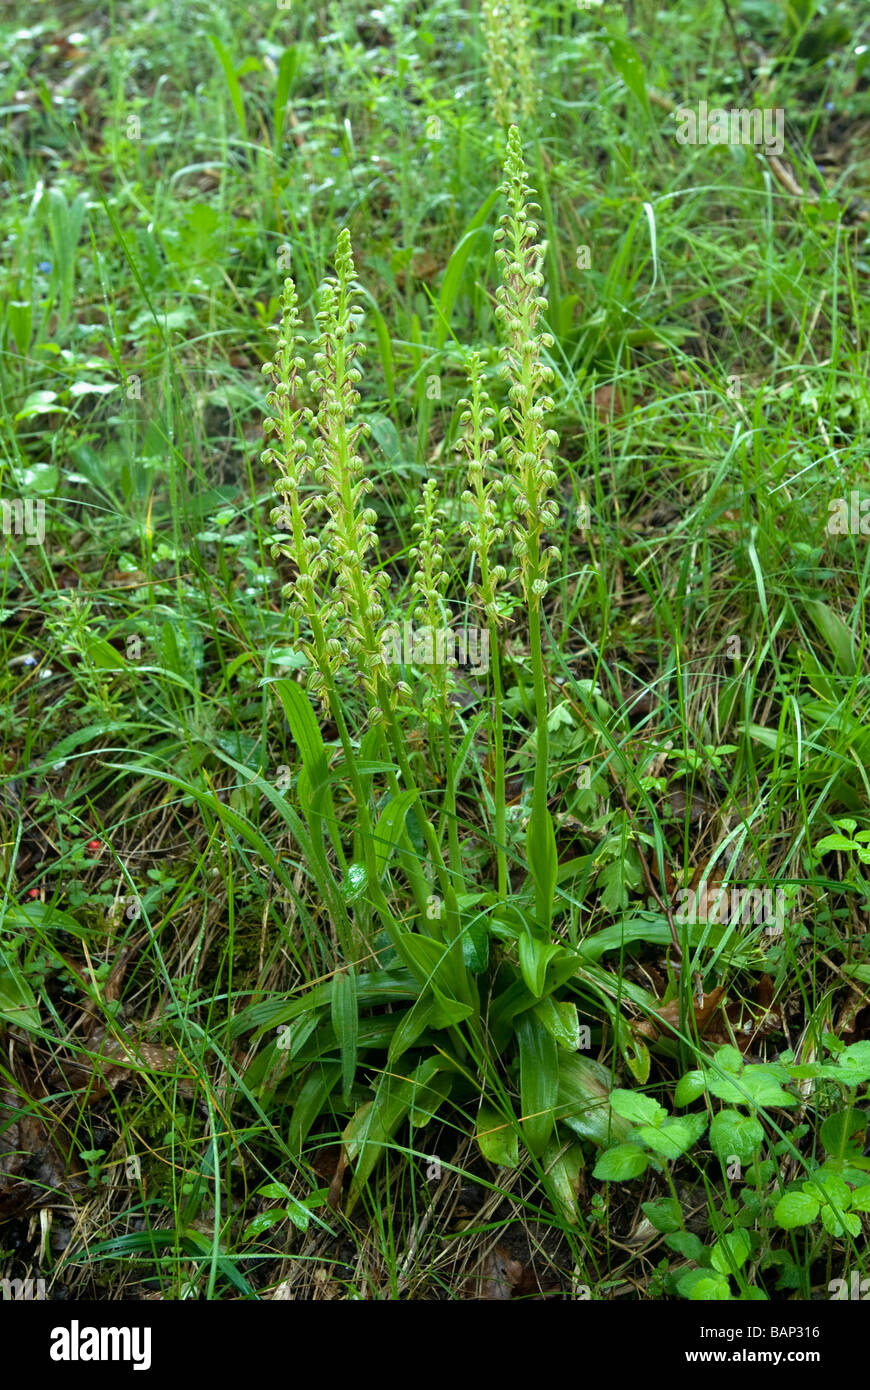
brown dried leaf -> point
(609, 401)
(743, 1024)
(31, 1168)
(115, 1060)
(670, 1013)
(500, 1275)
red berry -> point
(33, 892)
(95, 844)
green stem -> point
(426, 828)
(539, 801)
(450, 798)
(500, 793)
(669, 1178)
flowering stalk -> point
(484, 535)
(348, 537)
(498, 74)
(344, 543)
(519, 35)
(357, 603)
(326, 655)
(295, 512)
(531, 473)
(429, 581)
(508, 58)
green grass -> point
(703, 641)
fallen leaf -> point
(609, 402)
(670, 1013)
(500, 1275)
(743, 1021)
(32, 1170)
